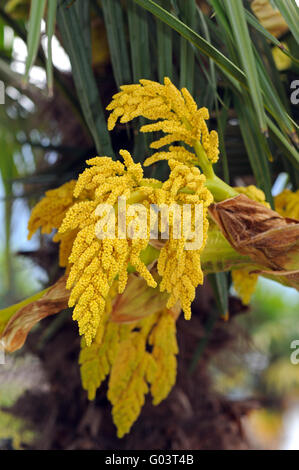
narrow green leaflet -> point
(84, 79)
(187, 57)
(141, 64)
(83, 14)
(37, 10)
(204, 46)
(51, 20)
(236, 13)
(1, 35)
(219, 284)
(256, 145)
(278, 137)
(139, 42)
(164, 46)
(290, 11)
(271, 97)
(273, 40)
(114, 21)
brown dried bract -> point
(270, 240)
(18, 327)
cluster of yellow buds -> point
(138, 356)
(177, 114)
(244, 283)
(254, 193)
(179, 268)
(49, 213)
(287, 204)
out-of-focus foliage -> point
(272, 325)
(266, 370)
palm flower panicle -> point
(128, 291)
(138, 356)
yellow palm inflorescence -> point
(136, 350)
(93, 263)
